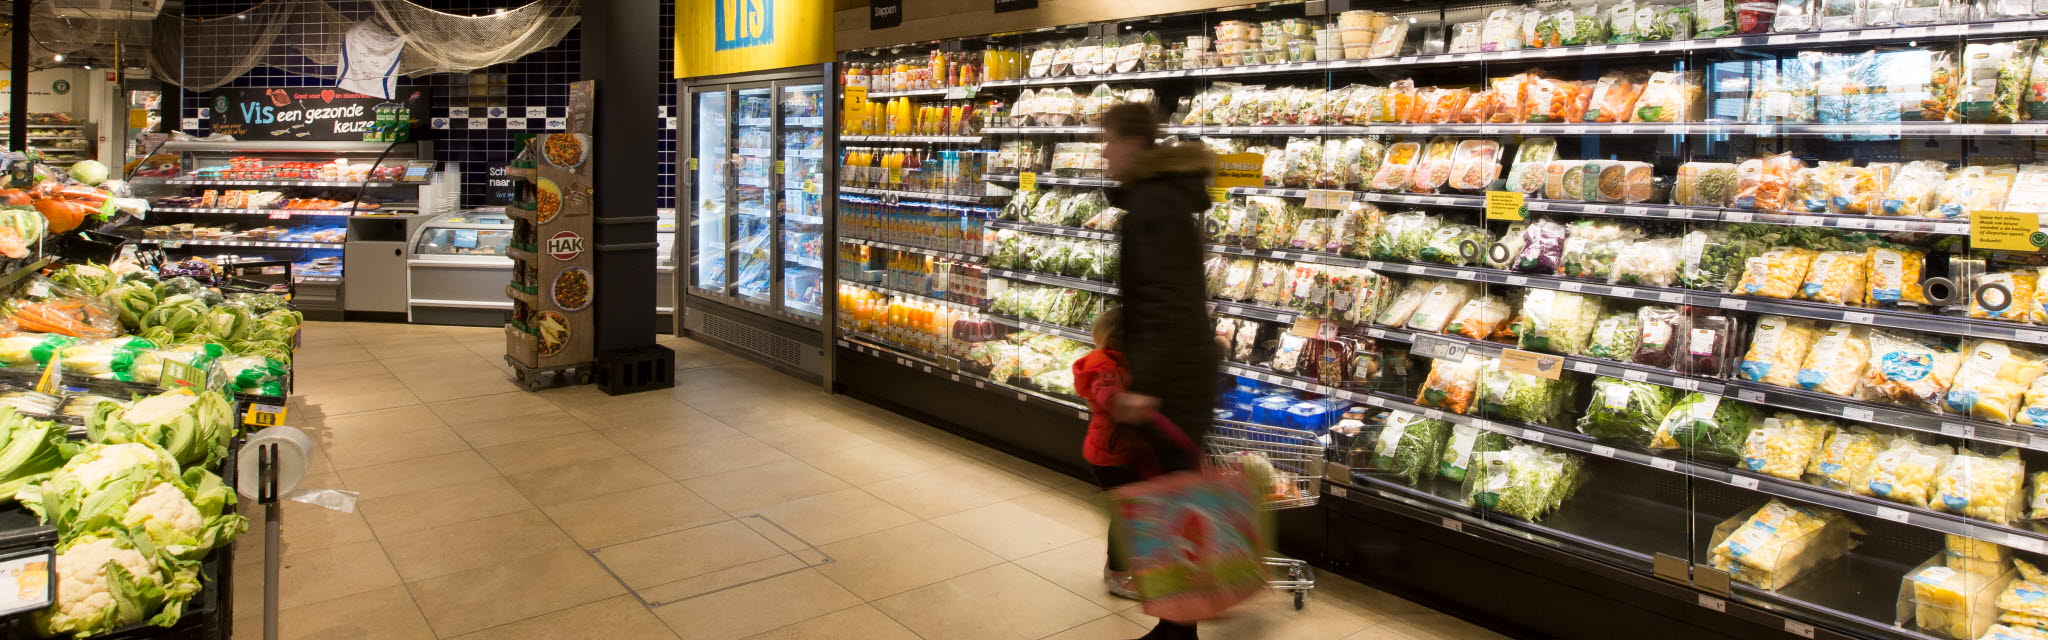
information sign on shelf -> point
(2006, 231)
(264, 415)
(1506, 205)
(1535, 364)
(1027, 181)
(1327, 199)
(1240, 170)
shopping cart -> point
(1297, 459)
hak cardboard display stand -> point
(553, 285)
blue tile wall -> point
(538, 80)
(666, 147)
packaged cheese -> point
(1993, 380)
(1836, 363)
(1964, 553)
(1778, 349)
(1894, 276)
(1957, 604)
(1772, 546)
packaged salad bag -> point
(1521, 397)
(1465, 443)
(1626, 411)
(1558, 321)
(1615, 337)
(1451, 385)
(1707, 426)
(1994, 80)
(1410, 446)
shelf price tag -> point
(1798, 628)
(1745, 482)
(1028, 181)
(1218, 194)
(1328, 199)
(2023, 542)
(1666, 464)
(1454, 525)
(1603, 451)
(1506, 205)
(1894, 515)
(1534, 364)
(1714, 603)
(1857, 413)
(264, 415)
(2006, 231)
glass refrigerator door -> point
(803, 221)
(707, 213)
(753, 195)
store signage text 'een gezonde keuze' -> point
(301, 113)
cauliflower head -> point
(92, 467)
(100, 581)
(164, 505)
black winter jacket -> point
(1168, 343)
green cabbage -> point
(89, 278)
(90, 172)
(29, 450)
(180, 314)
(226, 322)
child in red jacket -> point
(1111, 452)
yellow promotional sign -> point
(2006, 231)
(717, 37)
(1218, 194)
(1506, 205)
(1027, 181)
(1240, 170)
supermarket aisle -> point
(747, 504)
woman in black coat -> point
(1168, 345)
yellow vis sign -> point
(717, 37)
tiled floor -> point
(741, 504)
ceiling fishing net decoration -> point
(305, 37)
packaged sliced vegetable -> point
(1905, 470)
(1626, 411)
(1709, 346)
(1765, 183)
(1455, 244)
(2003, 296)
(1558, 321)
(1714, 259)
(1836, 277)
(1479, 318)
(1433, 169)
(1614, 96)
(1581, 23)
(1616, 337)
(1502, 30)
(1398, 169)
(1271, 286)
(1451, 385)
(1397, 312)
(1908, 371)
(1649, 262)
(1780, 541)
(1238, 279)
(1530, 159)
(1911, 192)
(1662, 337)
(1994, 80)
(1704, 184)
(1706, 426)
(1894, 276)
(1836, 363)
(1465, 443)
(1542, 248)
(1777, 273)
(1993, 380)
(1437, 306)
(1287, 358)
(1475, 165)
(1984, 487)
(1785, 444)
(1846, 461)
(1780, 346)
(1410, 446)
(2034, 410)
(1621, 22)
(1964, 553)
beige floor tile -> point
(688, 429)
(722, 579)
(311, 405)
(547, 453)
(1385, 632)
(885, 563)
(521, 428)
(757, 607)
(404, 434)
(486, 597)
(669, 557)
(862, 466)
(447, 505)
(751, 489)
(812, 439)
(947, 490)
(306, 527)
(1104, 628)
(831, 517)
(1435, 626)
(631, 515)
(321, 575)
(419, 474)
(1011, 530)
(477, 543)
(619, 618)
(1080, 513)
(859, 623)
(385, 613)
(583, 480)
(960, 608)
(1078, 568)
(492, 408)
(440, 389)
(711, 457)
(1272, 616)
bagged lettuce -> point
(1465, 443)
(1707, 426)
(1410, 446)
(1558, 321)
(1626, 411)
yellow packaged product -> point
(1835, 364)
(1994, 379)
(2024, 598)
(1908, 370)
(2003, 296)
(1780, 541)
(1845, 462)
(1777, 350)
(1836, 277)
(1784, 445)
(1964, 553)
(1983, 487)
(2037, 495)
(1777, 273)
(1894, 276)
(2017, 631)
(1905, 471)
(2029, 572)
(2037, 305)
(1957, 604)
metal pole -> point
(273, 535)
(17, 97)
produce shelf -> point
(1069, 333)
(1054, 229)
(267, 212)
(173, 243)
(1059, 281)
(909, 93)
(931, 364)
(908, 139)
(1055, 180)
(911, 195)
(1254, 312)
(281, 183)
(1861, 131)
(902, 247)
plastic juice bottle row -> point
(936, 70)
(950, 171)
(922, 325)
(940, 227)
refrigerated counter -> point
(457, 269)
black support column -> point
(17, 102)
(620, 38)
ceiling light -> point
(57, 58)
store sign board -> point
(1240, 170)
(499, 188)
(1542, 365)
(302, 113)
(2006, 231)
(885, 14)
(751, 35)
(1015, 5)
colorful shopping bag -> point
(1196, 541)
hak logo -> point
(565, 246)
(743, 23)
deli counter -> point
(457, 269)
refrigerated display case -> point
(457, 269)
(757, 218)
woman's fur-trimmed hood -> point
(1172, 159)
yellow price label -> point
(895, 176)
(1506, 205)
(1218, 194)
(1240, 170)
(856, 101)
(1027, 181)
(778, 167)
(264, 415)
(693, 164)
(2006, 231)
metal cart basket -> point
(1296, 457)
